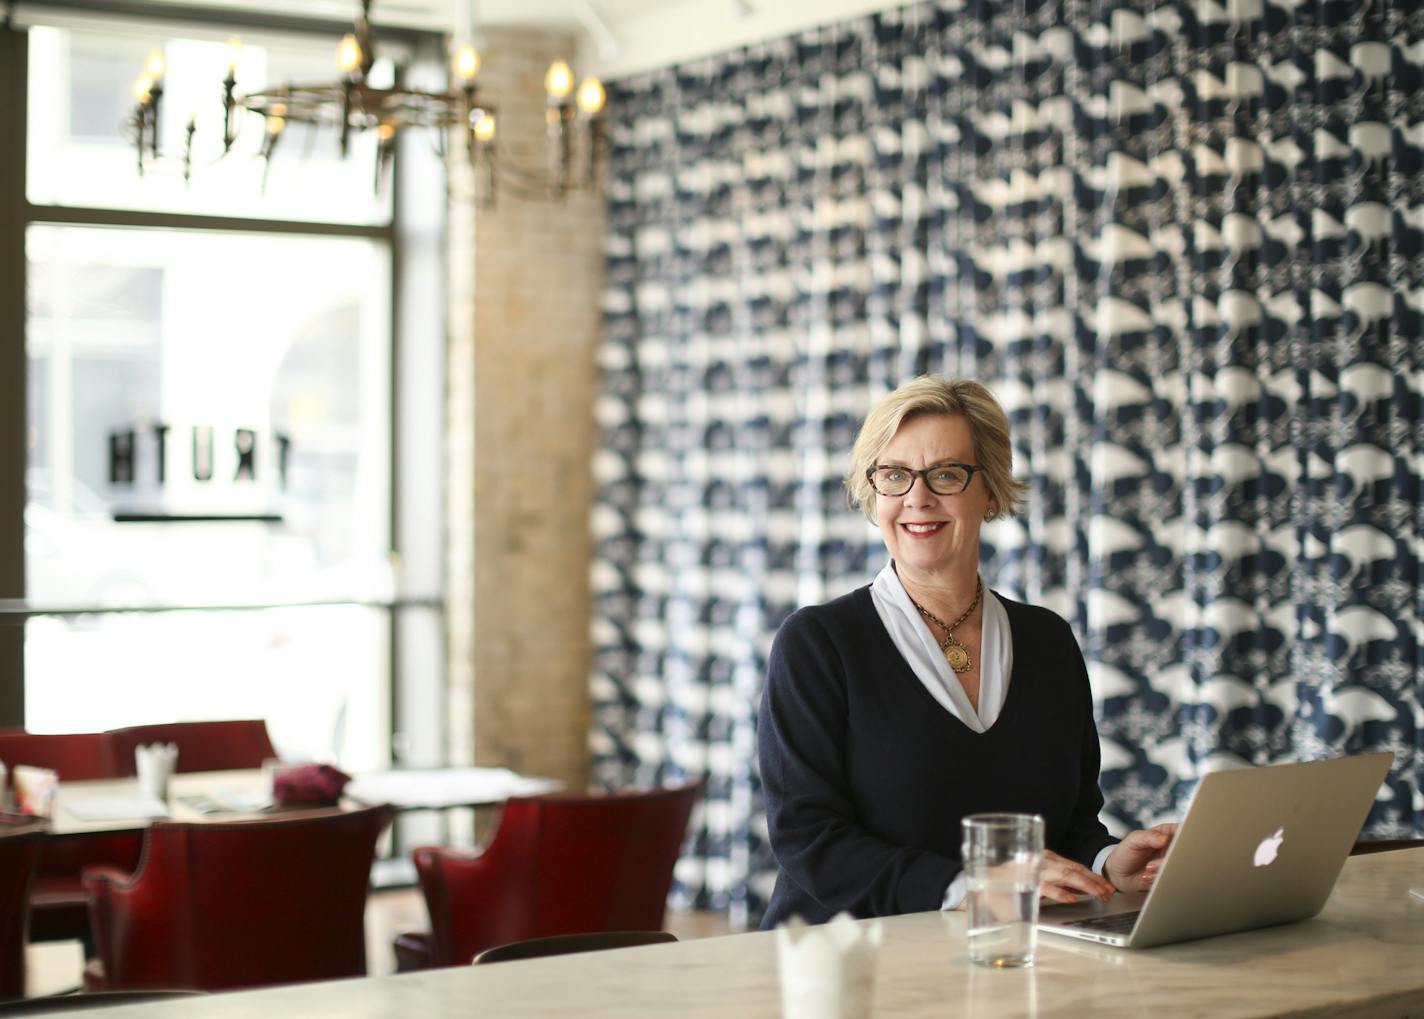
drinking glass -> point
(1002, 855)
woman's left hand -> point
(1133, 864)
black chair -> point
(569, 944)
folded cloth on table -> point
(308, 785)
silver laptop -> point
(1258, 847)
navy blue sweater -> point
(867, 776)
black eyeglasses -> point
(941, 479)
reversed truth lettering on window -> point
(169, 471)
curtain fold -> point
(1181, 241)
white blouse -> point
(917, 645)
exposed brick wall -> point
(525, 279)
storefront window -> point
(208, 522)
(209, 417)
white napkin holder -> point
(827, 970)
(155, 764)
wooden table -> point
(1364, 955)
(442, 789)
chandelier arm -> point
(131, 128)
(188, 151)
(140, 123)
(346, 117)
(230, 136)
(366, 37)
(151, 106)
(232, 112)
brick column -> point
(525, 281)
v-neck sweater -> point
(866, 776)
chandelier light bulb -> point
(348, 54)
(154, 65)
(591, 96)
(559, 81)
(465, 64)
(143, 88)
(234, 54)
(484, 128)
(386, 131)
(275, 124)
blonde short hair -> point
(937, 394)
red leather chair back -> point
(59, 911)
(18, 853)
(558, 864)
(77, 756)
(202, 746)
(239, 904)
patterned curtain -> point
(1182, 241)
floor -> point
(57, 966)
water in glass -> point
(1002, 915)
(1002, 854)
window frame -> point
(414, 239)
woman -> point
(894, 711)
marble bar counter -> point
(1363, 955)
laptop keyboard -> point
(1118, 923)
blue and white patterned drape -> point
(1182, 241)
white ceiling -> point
(619, 37)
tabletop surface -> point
(114, 805)
(1363, 955)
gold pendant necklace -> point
(955, 653)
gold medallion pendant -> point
(957, 655)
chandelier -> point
(351, 105)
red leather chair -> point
(19, 852)
(58, 909)
(557, 864)
(219, 905)
(202, 746)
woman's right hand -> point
(1063, 880)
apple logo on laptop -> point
(1269, 847)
